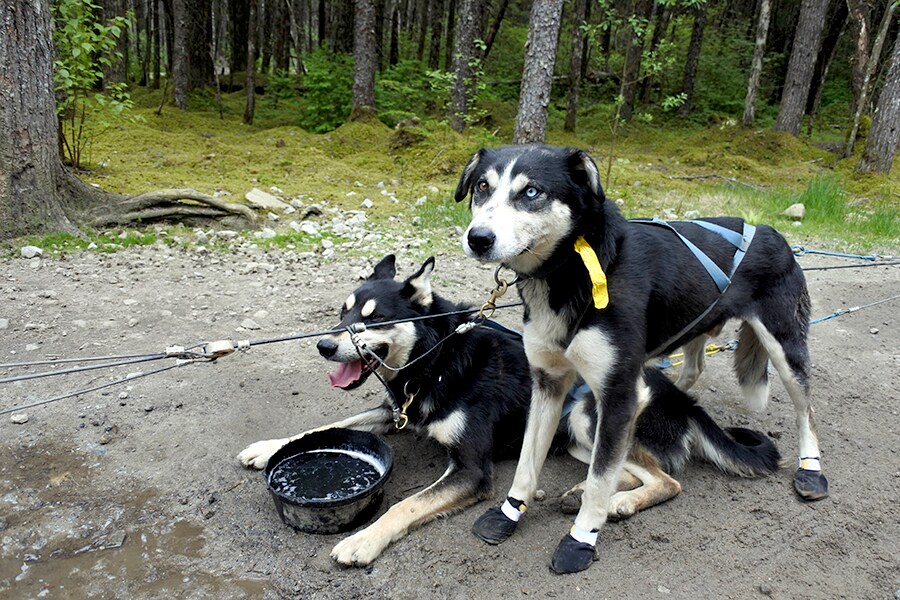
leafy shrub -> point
(84, 45)
(328, 91)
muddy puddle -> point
(60, 538)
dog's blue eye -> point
(531, 192)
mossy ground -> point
(754, 172)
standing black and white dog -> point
(470, 393)
(602, 295)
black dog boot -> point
(810, 485)
(499, 523)
(572, 555)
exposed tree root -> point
(163, 204)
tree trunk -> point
(342, 32)
(180, 55)
(801, 66)
(693, 59)
(379, 33)
(450, 37)
(364, 61)
(434, 48)
(115, 71)
(321, 23)
(157, 43)
(468, 27)
(860, 15)
(200, 66)
(495, 28)
(759, 51)
(837, 21)
(30, 168)
(579, 15)
(394, 51)
(632, 68)
(867, 77)
(537, 78)
(884, 134)
(663, 17)
(250, 85)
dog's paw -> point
(360, 549)
(570, 502)
(810, 485)
(257, 455)
(621, 506)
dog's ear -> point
(386, 268)
(465, 180)
(418, 286)
(583, 171)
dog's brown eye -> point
(482, 186)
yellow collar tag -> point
(598, 277)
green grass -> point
(663, 164)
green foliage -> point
(84, 45)
(328, 92)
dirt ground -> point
(134, 491)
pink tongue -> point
(345, 374)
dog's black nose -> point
(481, 239)
(327, 347)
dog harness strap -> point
(584, 536)
(718, 275)
(513, 509)
(733, 237)
(598, 277)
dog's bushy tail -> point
(735, 450)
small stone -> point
(226, 234)
(104, 439)
(765, 589)
(132, 322)
(897, 595)
(31, 347)
(115, 539)
(691, 214)
(540, 495)
(4, 324)
(309, 228)
(31, 251)
(19, 418)
(260, 199)
(265, 234)
(250, 324)
(422, 200)
(123, 395)
(367, 203)
(327, 244)
(795, 212)
(92, 246)
(662, 589)
(148, 408)
(873, 330)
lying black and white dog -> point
(603, 295)
(470, 393)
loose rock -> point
(19, 418)
(796, 211)
(31, 251)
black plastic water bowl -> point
(329, 481)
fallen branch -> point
(730, 180)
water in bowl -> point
(325, 475)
